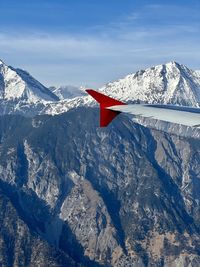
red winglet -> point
(106, 115)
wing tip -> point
(106, 115)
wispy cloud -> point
(132, 42)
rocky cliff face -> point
(19, 245)
(120, 196)
(72, 194)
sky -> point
(93, 42)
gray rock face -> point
(120, 196)
(19, 246)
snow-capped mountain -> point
(17, 84)
(171, 83)
(68, 92)
(168, 83)
(22, 94)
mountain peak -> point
(2, 62)
(68, 92)
(18, 85)
(170, 83)
(174, 63)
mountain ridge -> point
(68, 91)
(17, 84)
(120, 196)
(170, 83)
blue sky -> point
(92, 42)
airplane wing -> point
(110, 108)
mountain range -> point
(73, 194)
(171, 83)
(67, 92)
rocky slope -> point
(120, 196)
(72, 194)
(19, 245)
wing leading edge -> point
(187, 116)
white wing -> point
(176, 114)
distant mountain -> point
(168, 83)
(68, 92)
(171, 83)
(17, 84)
(21, 93)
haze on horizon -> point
(93, 42)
